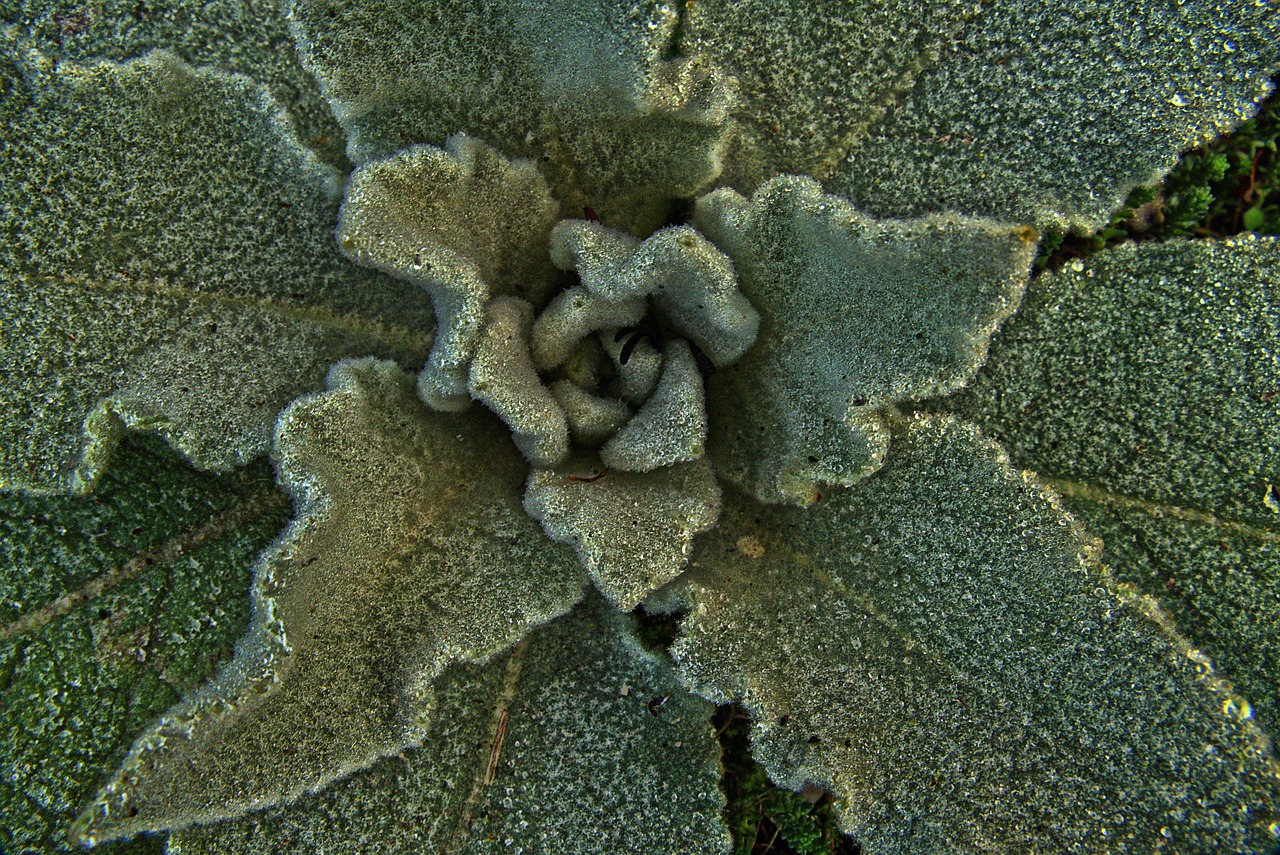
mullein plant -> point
(546, 311)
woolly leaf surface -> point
(400, 562)
(572, 703)
(691, 283)
(813, 76)
(150, 169)
(249, 37)
(633, 531)
(1143, 385)
(583, 88)
(939, 647)
(114, 606)
(855, 314)
(208, 372)
(670, 427)
(504, 378)
(1031, 115)
(464, 223)
(170, 266)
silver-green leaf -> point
(404, 558)
(939, 647)
(1033, 115)
(855, 314)
(576, 715)
(1144, 385)
(170, 266)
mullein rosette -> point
(735, 408)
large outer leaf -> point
(114, 605)
(855, 314)
(579, 741)
(410, 551)
(583, 87)
(814, 76)
(1145, 385)
(170, 264)
(248, 37)
(207, 372)
(151, 169)
(937, 646)
(1038, 113)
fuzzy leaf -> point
(584, 88)
(249, 37)
(170, 267)
(400, 562)
(114, 605)
(1145, 386)
(464, 223)
(151, 169)
(578, 716)
(633, 532)
(1032, 115)
(939, 647)
(855, 314)
(813, 76)
(207, 372)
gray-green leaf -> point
(249, 37)
(578, 741)
(632, 531)
(855, 314)
(814, 76)
(208, 372)
(410, 552)
(939, 646)
(586, 89)
(114, 605)
(170, 266)
(1145, 386)
(1035, 113)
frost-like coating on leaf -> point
(940, 648)
(207, 372)
(573, 314)
(691, 283)
(633, 532)
(592, 418)
(855, 314)
(1151, 371)
(671, 427)
(587, 89)
(170, 265)
(153, 170)
(814, 75)
(1144, 383)
(1034, 115)
(529, 741)
(246, 38)
(1219, 579)
(464, 223)
(110, 608)
(503, 377)
(400, 562)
